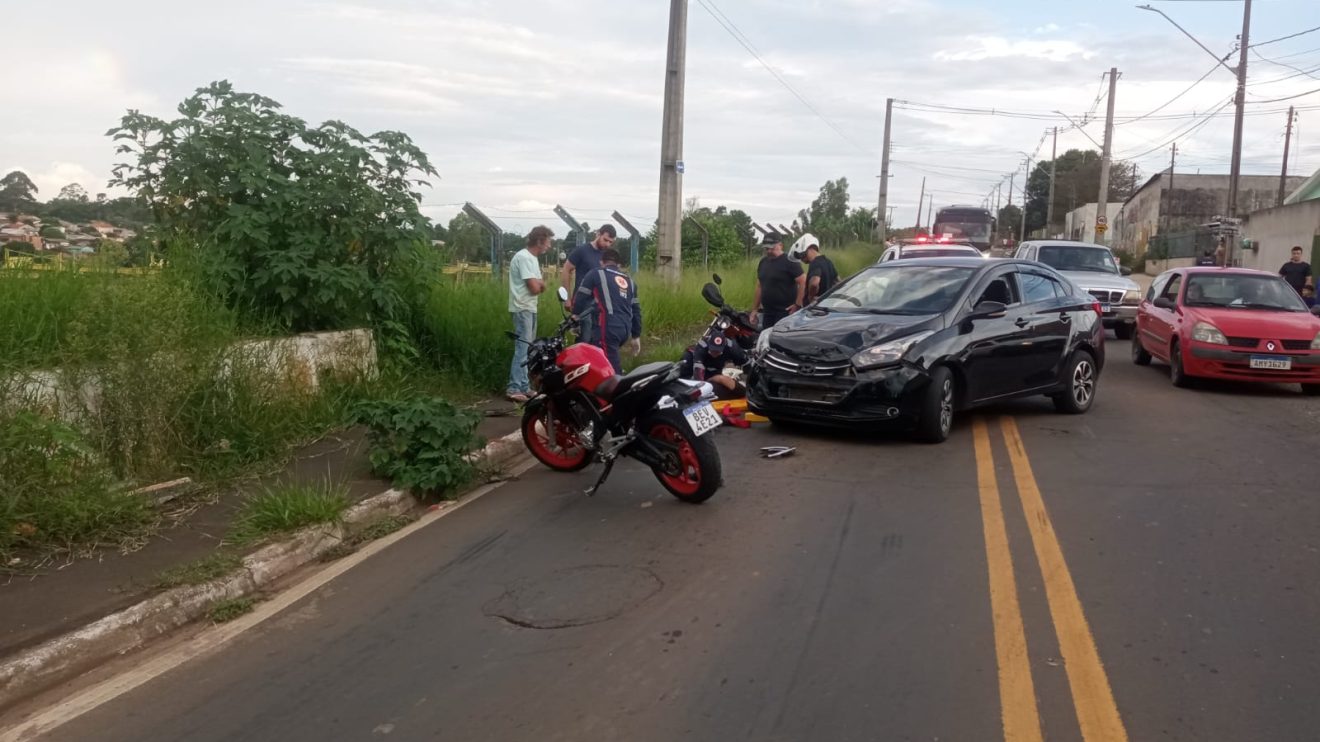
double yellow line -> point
(1097, 714)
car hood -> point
(1258, 323)
(1095, 280)
(839, 335)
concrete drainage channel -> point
(65, 657)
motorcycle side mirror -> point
(718, 281)
(563, 294)
(712, 295)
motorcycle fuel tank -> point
(585, 367)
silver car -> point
(1095, 270)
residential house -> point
(21, 232)
(1169, 204)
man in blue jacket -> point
(607, 298)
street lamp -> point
(1222, 61)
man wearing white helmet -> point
(821, 273)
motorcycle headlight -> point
(888, 353)
(1132, 298)
(1204, 332)
(762, 342)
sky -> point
(525, 104)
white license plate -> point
(1273, 363)
(702, 418)
(1105, 308)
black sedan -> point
(913, 341)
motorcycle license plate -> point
(702, 418)
(1273, 363)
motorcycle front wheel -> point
(691, 471)
(566, 452)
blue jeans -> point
(524, 326)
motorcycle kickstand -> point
(609, 464)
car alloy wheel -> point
(1083, 383)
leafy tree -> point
(1010, 221)
(1076, 182)
(52, 232)
(828, 216)
(467, 240)
(723, 245)
(73, 192)
(17, 191)
(316, 227)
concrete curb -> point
(65, 657)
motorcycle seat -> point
(617, 385)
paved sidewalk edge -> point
(63, 658)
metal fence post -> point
(496, 236)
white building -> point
(1079, 224)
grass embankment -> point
(465, 323)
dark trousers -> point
(771, 317)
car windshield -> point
(1075, 258)
(895, 289)
(1241, 291)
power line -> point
(1288, 97)
(728, 25)
(1165, 104)
(1289, 36)
(1264, 58)
(1187, 131)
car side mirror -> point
(716, 278)
(1165, 302)
(988, 310)
(1124, 270)
(563, 294)
(1316, 310)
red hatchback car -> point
(1228, 323)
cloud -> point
(979, 48)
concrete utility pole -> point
(1165, 209)
(930, 213)
(1054, 157)
(921, 201)
(669, 231)
(1235, 166)
(1026, 180)
(1287, 141)
(884, 173)
(1102, 203)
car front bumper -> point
(876, 398)
(1120, 315)
(1217, 362)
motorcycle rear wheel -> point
(565, 453)
(694, 472)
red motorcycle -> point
(728, 321)
(583, 412)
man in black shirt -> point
(821, 273)
(780, 284)
(1296, 271)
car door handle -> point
(1021, 322)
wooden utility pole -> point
(669, 230)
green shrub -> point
(54, 491)
(420, 443)
(287, 508)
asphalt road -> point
(1144, 572)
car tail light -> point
(1095, 307)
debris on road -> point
(776, 452)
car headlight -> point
(1132, 298)
(1204, 332)
(762, 342)
(1315, 344)
(888, 353)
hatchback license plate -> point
(1272, 363)
(702, 418)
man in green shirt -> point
(525, 287)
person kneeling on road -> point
(706, 361)
(607, 298)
